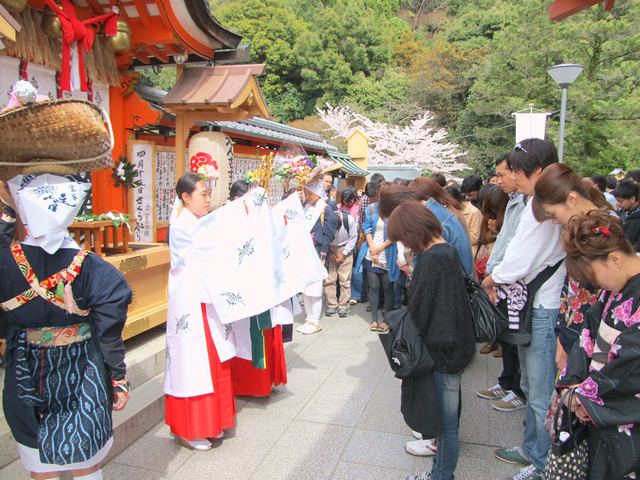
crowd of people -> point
(563, 255)
(560, 250)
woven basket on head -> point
(56, 136)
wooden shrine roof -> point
(161, 29)
(222, 88)
(561, 9)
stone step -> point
(145, 369)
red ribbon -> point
(74, 30)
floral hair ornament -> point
(601, 231)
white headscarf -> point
(317, 187)
(47, 205)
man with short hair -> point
(327, 183)
(440, 179)
(536, 249)
(506, 394)
(341, 261)
(471, 186)
(600, 183)
(627, 197)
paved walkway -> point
(338, 418)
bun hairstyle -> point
(592, 237)
(555, 184)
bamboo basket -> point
(56, 136)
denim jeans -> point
(449, 398)
(538, 370)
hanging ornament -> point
(77, 39)
(122, 40)
(14, 6)
(51, 25)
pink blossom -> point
(633, 319)
(623, 311)
(589, 390)
(586, 342)
(578, 317)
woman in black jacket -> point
(440, 309)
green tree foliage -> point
(603, 107)
(470, 62)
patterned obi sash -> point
(59, 336)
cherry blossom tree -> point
(415, 144)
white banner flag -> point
(530, 125)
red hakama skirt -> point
(258, 382)
(204, 416)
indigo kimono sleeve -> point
(105, 291)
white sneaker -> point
(308, 328)
(201, 444)
(416, 435)
(421, 448)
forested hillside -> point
(470, 62)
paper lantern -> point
(213, 150)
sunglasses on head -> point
(519, 148)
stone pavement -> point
(338, 418)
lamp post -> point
(564, 75)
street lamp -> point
(564, 75)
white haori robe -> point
(187, 371)
(296, 259)
(236, 264)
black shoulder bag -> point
(488, 320)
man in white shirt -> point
(534, 248)
(341, 265)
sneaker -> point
(511, 455)
(510, 403)
(493, 393)
(421, 448)
(308, 328)
(201, 444)
(343, 312)
(420, 476)
(353, 301)
(416, 435)
(330, 312)
(527, 473)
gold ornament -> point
(15, 6)
(121, 42)
(51, 25)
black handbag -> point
(488, 320)
(406, 352)
(568, 456)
